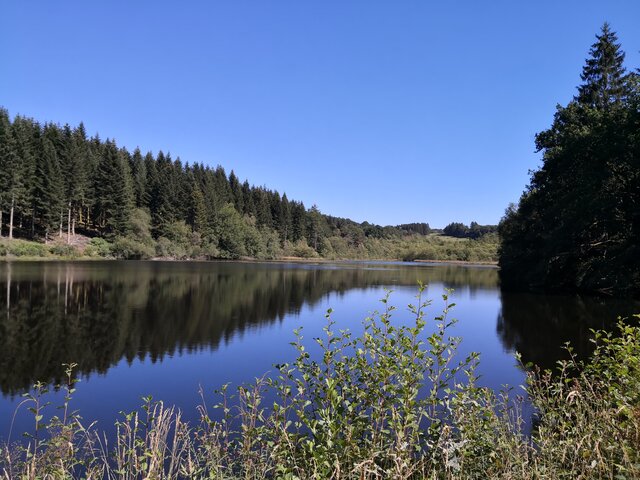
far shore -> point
(302, 260)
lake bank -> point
(430, 247)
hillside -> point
(57, 183)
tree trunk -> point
(69, 224)
(61, 217)
(0, 223)
(73, 226)
(13, 200)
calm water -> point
(167, 328)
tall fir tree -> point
(114, 192)
(48, 189)
(11, 173)
(604, 77)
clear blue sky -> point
(384, 111)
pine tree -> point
(139, 177)
(114, 192)
(298, 218)
(604, 76)
(26, 133)
(197, 217)
(249, 207)
(285, 220)
(315, 227)
(11, 178)
(48, 189)
(236, 192)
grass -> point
(392, 403)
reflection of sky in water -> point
(249, 352)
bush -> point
(168, 249)
(302, 250)
(130, 249)
(21, 248)
(98, 247)
(68, 251)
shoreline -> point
(299, 260)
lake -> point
(167, 329)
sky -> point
(390, 112)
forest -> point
(577, 224)
(59, 185)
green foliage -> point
(576, 226)
(113, 192)
(67, 251)
(129, 249)
(231, 232)
(140, 227)
(98, 247)
(177, 243)
(302, 250)
(21, 248)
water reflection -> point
(95, 314)
(539, 326)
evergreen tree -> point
(48, 189)
(114, 191)
(314, 228)
(285, 220)
(249, 207)
(604, 75)
(26, 134)
(198, 211)
(11, 174)
(298, 218)
(139, 179)
(574, 226)
(236, 192)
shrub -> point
(98, 247)
(21, 248)
(168, 249)
(302, 250)
(61, 250)
(130, 249)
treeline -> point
(474, 230)
(577, 225)
(56, 180)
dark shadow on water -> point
(538, 326)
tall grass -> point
(394, 402)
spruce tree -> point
(114, 192)
(139, 177)
(48, 189)
(604, 75)
(11, 178)
(25, 132)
